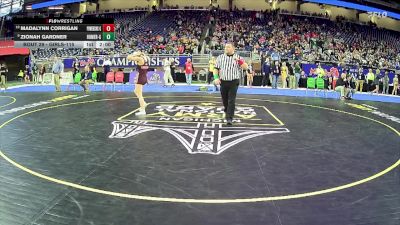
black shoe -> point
(229, 122)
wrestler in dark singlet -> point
(142, 77)
(142, 62)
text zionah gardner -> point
(43, 37)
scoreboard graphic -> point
(64, 33)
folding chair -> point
(321, 86)
(76, 80)
(119, 79)
(109, 79)
(310, 84)
(94, 80)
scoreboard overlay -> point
(64, 33)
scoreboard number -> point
(108, 36)
(108, 27)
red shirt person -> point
(189, 71)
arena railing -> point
(303, 15)
(201, 60)
(104, 12)
(244, 54)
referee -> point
(227, 73)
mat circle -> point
(204, 201)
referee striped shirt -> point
(228, 67)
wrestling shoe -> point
(141, 112)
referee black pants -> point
(210, 77)
(228, 94)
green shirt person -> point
(320, 72)
(370, 75)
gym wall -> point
(334, 11)
(124, 4)
(264, 5)
(311, 8)
(387, 23)
(183, 3)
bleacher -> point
(306, 37)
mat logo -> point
(33, 105)
(155, 78)
(375, 111)
(200, 128)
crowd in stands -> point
(306, 38)
(347, 80)
(166, 32)
(300, 37)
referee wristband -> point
(216, 76)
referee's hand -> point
(217, 81)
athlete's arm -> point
(244, 66)
(138, 59)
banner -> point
(337, 70)
(122, 62)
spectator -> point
(42, 71)
(341, 86)
(284, 74)
(266, 71)
(376, 81)
(360, 79)
(173, 66)
(351, 87)
(292, 78)
(106, 67)
(189, 71)
(370, 80)
(275, 74)
(250, 74)
(35, 72)
(87, 79)
(395, 85)
(3, 75)
(167, 72)
(76, 65)
(20, 75)
(320, 71)
(27, 74)
(210, 76)
(297, 71)
(385, 81)
(58, 68)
